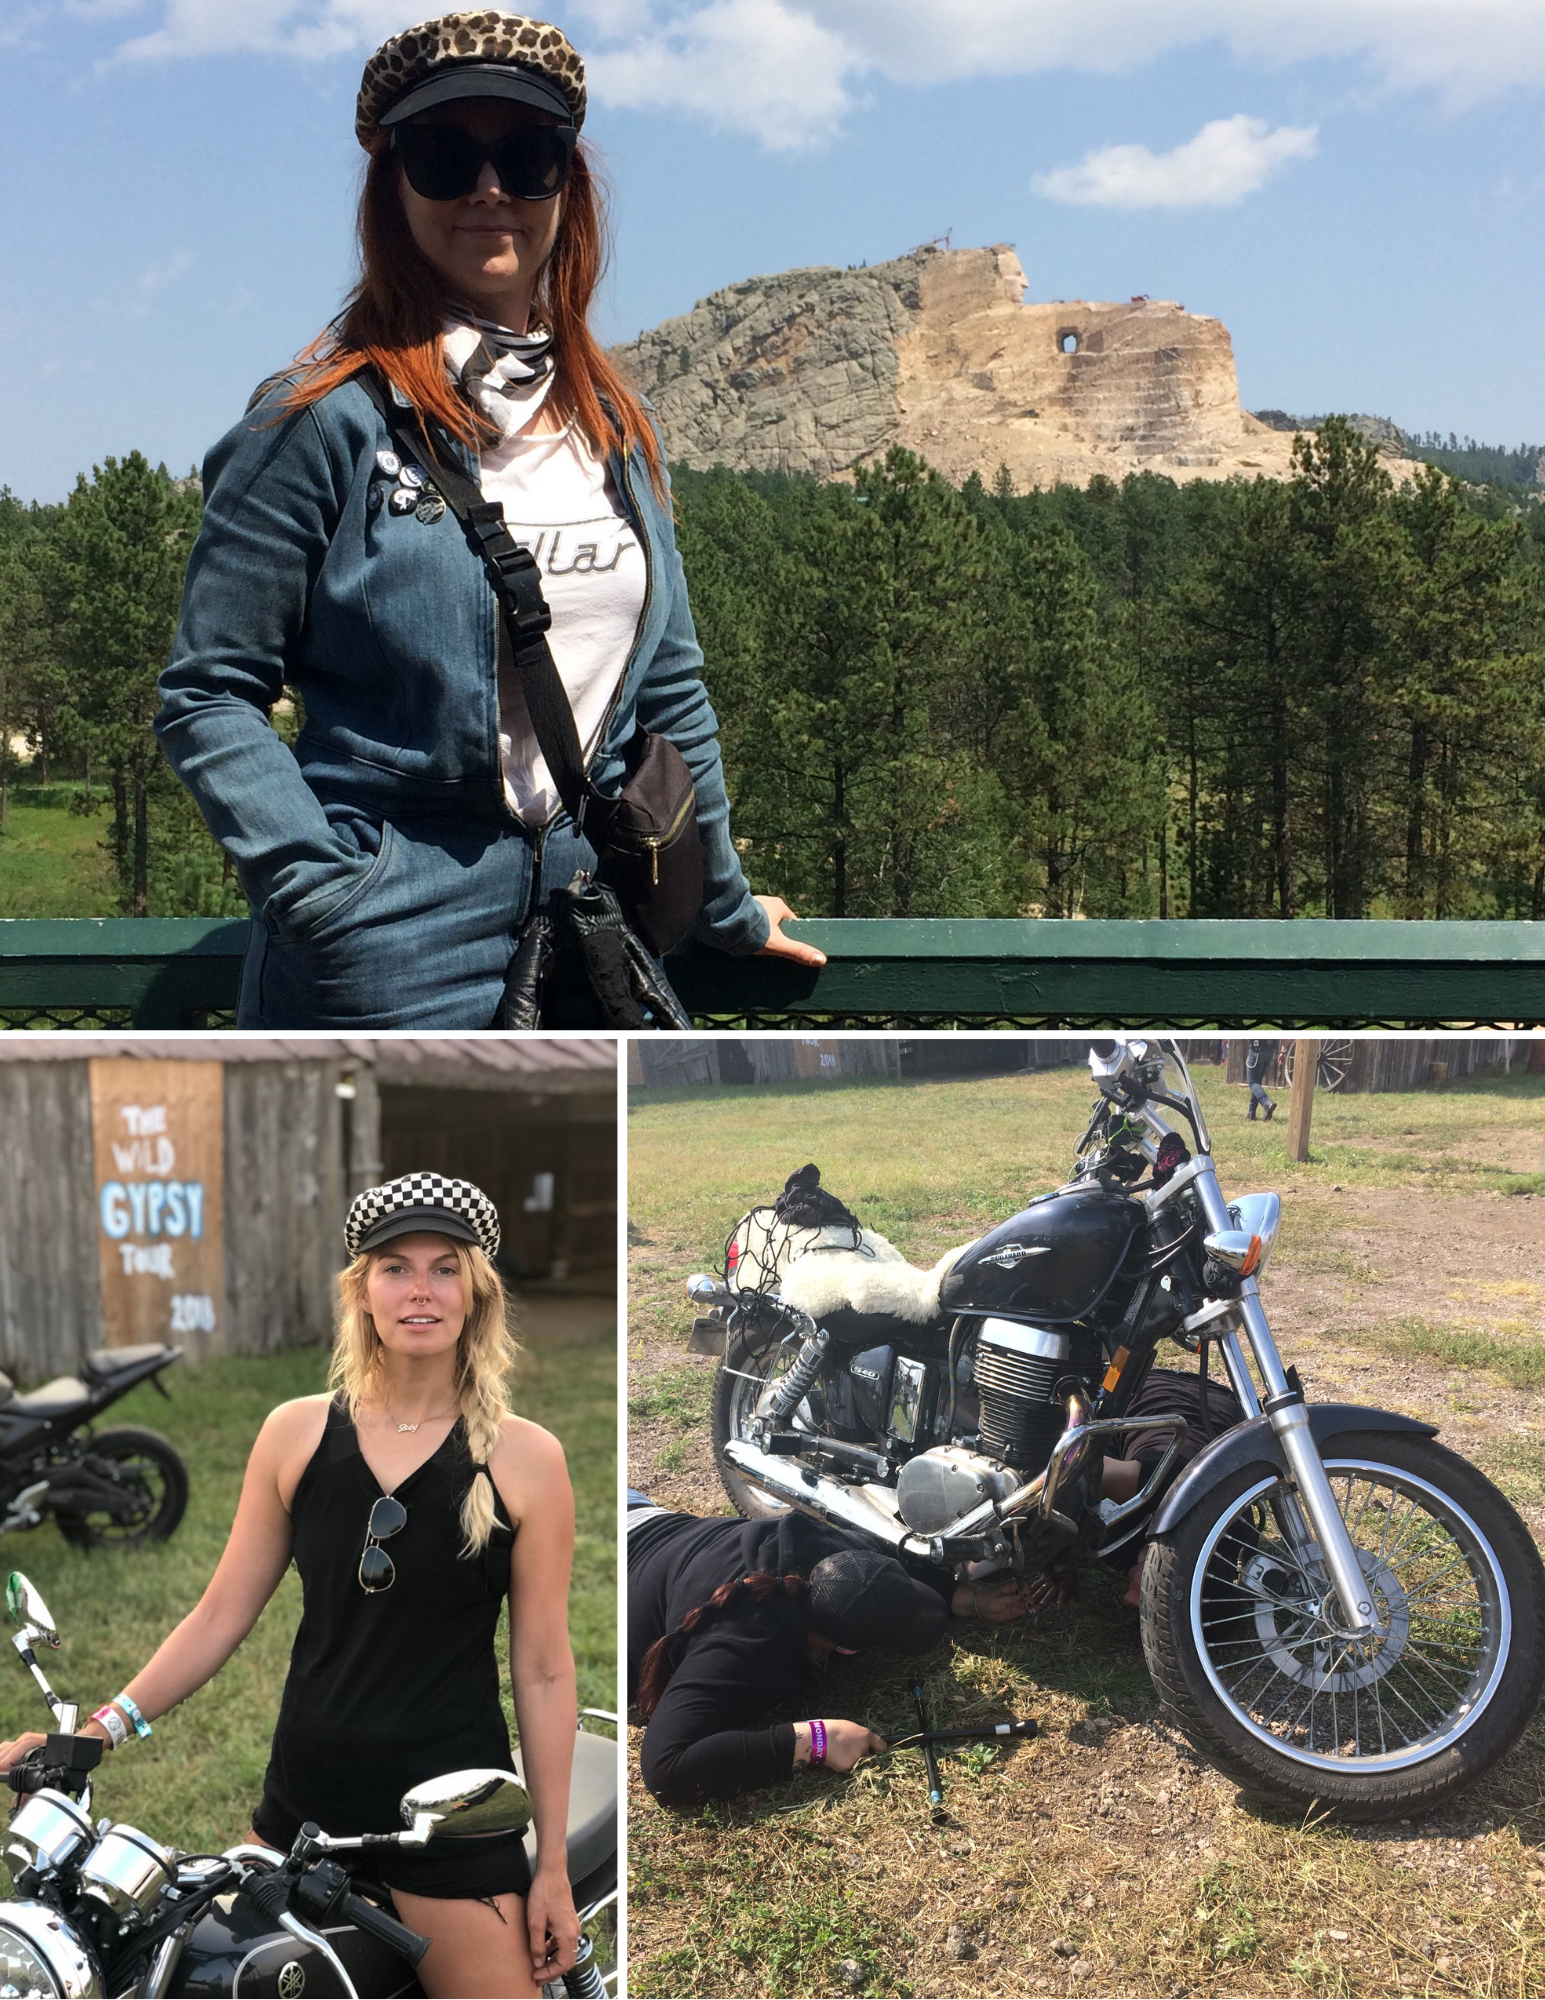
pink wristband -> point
(817, 1742)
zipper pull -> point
(652, 842)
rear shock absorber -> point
(583, 1980)
(791, 1391)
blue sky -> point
(1355, 187)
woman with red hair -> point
(393, 855)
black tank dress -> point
(391, 1687)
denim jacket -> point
(387, 627)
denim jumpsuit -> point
(387, 875)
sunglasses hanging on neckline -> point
(377, 1571)
(444, 163)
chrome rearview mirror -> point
(462, 1803)
(25, 1603)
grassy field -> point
(53, 862)
(195, 1782)
(1104, 1857)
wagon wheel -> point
(1332, 1071)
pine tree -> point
(123, 542)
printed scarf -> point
(504, 374)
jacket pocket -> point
(321, 909)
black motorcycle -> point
(112, 1488)
(1335, 1607)
(104, 1909)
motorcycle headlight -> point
(23, 1968)
(41, 1954)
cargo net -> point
(767, 1239)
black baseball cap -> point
(860, 1600)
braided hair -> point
(664, 1656)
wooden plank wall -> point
(501, 1140)
(285, 1203)
(50, 1303)
(1407, 1065)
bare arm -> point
(541, 1502)
(256, 1557)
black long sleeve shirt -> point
(706, 1739)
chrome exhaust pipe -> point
(839, 1506)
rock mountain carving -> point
(811, 371)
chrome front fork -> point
(1284, 1409)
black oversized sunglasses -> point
(377, 1571)
(443, 163)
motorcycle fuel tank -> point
(238, 1954)
(1053, 1261)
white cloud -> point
(21, 27)
(136, 302)
(786, 70)
(755, 65)
(1467, 48)
(1227, 160)
(277, 27)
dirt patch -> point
(1104, 1857)
(1486, 1148)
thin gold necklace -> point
(422, 1420)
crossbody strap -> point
(517, 584)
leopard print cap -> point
(483, 36)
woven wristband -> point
(817, 1742)
(131, 1710)
(117, 1729)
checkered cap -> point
(432, 1202)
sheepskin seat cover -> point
(874, 1278)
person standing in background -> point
(1258, 1060)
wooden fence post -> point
(1306, 1060)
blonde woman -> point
(411, 1502)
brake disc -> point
(1300, 1638)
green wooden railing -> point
(183, 972)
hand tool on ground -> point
(989, 1732)
(935, 1793)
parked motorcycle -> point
(1335, 1607)
(112, 1488)
(105, 1909)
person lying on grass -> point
(728, 1619)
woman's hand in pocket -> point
(780, 946)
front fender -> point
(1254, 1443)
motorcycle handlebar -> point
(385, 1928)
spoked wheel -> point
(1240, 1629)
(153, 1491)
(1333, 1064)
(750, 1362)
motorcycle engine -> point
(939, 1487)
(1017, 1368)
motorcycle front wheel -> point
(750, 1361)
(1240, 1635)
(154, 1480)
